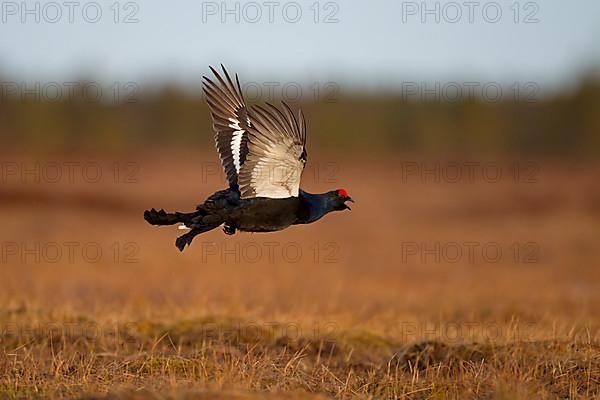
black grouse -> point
(263, 152)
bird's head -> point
(338, 199)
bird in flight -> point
(263, 152)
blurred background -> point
(493, 77)
(468, 134)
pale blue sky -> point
(370, 45)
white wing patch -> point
(236, 143)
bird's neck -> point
(313, 207)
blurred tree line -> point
(128, 117)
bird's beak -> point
(350, 200)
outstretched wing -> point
(230, 122)
(276, 153)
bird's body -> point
(263, 153)
(258, 214)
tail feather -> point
(161, 217)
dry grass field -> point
(425, 290)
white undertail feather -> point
(183, 227)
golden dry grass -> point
(370, 324)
